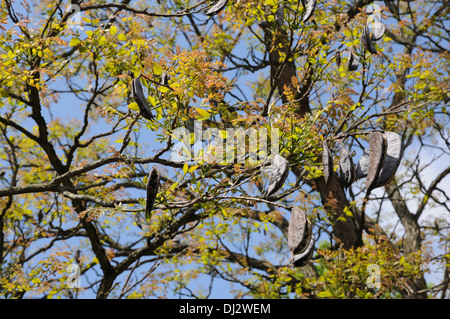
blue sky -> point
(68, 108)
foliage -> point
(75, 152)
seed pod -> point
(310, 6)
(278, 175)
(377, 31)
(337, 56)
(363, 165)
(393, 158)
(327, 162)
(353, 61)
(346, 167)
(300, 260)
(367, 42)
(152, 191)
(139, 97)
(215, 9)
(377, 154)
(279, 16)
(298, 229)
(165, 78)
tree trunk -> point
(412, 239)
(332, 195)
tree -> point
(77, 148)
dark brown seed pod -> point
(353, 61)
(139, 97)
(346, 167)
(165, 78)
(367, 42)
(377, 155)
(279, 16)
(327, 162)
(215, 9)
(298, 227)
(393, 157)
(310, 6)
(377, 31)
(301, 259)
(363, 165)
(279, 173)
(337, 56)
(152, 191)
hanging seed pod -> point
(298, 228)
(353, 61)
(301, 259)
(367, 42)
(378, 31)
(310, 6)
(279, 173)
(152, 191)
(346, 167)
(337, 56)
(215, 9)
(393, 158)
(327, 162)
(139, 97)
(377, 154)
(279, 16)
(363, 165)
(165, 78)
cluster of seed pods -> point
(378, 164)
(367, 40)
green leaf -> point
(152, 100)
(122, 37)
(163, 89)
(157, 69)
(325, 294)
(113, 30)
(3, 93)
(74, 42)
(203, 113)
(133, 106)
(192, 168)
(272, 3)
